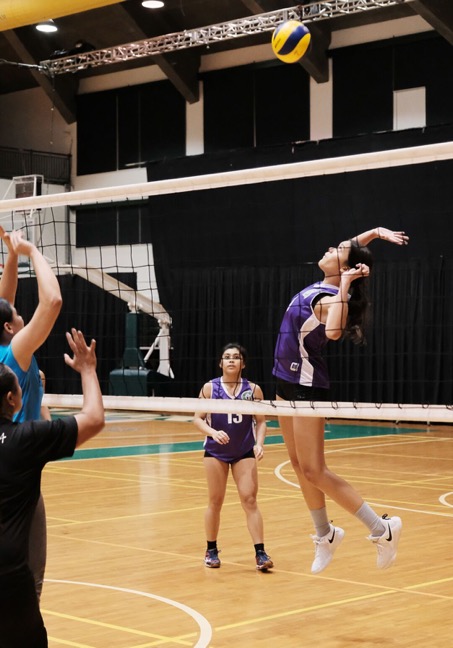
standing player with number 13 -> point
(234, 440)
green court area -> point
(334, 430)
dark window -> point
(228, 109)
(410, 65)
(282, 99)
(365, 76)
(163, 122)
(439, 82)
(128, 126)
(252, 106)
(362, 90)
(96, 133)
(116, 224)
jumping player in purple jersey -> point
(234, 440)
(328, 310)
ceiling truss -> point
(205, 36)
(178, 54)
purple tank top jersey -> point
(302, 337)
(239, 427)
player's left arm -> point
(399, 238)
(260, 424)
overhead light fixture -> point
(152, 4)
(47, 26)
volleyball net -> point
(161, 277)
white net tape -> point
(346, 164)
(364, 411)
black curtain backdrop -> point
(228, 262)
(88, 308)
(297, 151)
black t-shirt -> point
(25, 448)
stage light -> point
(47, 26)
(152, 4)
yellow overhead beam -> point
(18, 13)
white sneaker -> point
(387, 543)
(325, 548)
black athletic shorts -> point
(295, 392)
(248, 455)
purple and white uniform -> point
(302, 337)
(239, 427)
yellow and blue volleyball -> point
(290, 41)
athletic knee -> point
(249, 501)
(215, 503)
(314, 475)
(296, 465)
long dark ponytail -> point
(359, 303)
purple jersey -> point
(239, 427)
(302, 337)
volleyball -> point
(290, 41)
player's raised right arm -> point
(26, 341)
(8, 281)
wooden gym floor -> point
(126, 545)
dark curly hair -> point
(7, 380)
(6, 312)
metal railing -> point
(56, 168)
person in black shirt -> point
(18, 343)
(25, 448)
